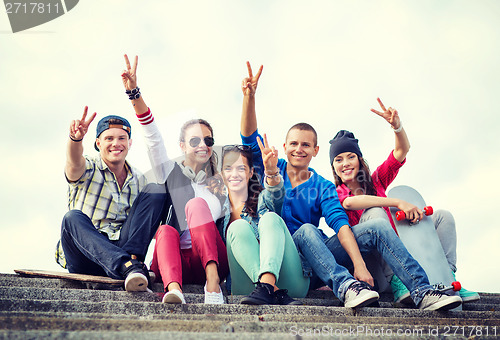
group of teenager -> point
(253, 224)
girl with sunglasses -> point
(262, 255)
(359, 190)
(190, 248)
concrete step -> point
(55, 308)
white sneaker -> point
(359, 294)
(435, 300)
(136, 282)
(174, 296)
(212, 297)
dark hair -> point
(254, 187)
(214, 183)
(364, 178)
(304, 127)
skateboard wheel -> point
(400, 215)
(456, 286)
(428, 210)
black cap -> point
(344, 141)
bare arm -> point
(75, 162)
(248, 114)
(402, 144)
(348, 242)
(361, 202)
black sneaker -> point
(282, 298)
(263, 294)
(136, 276)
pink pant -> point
(173, 264)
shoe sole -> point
(252, 301)
(452, 302)
(471, 298)
(136, 282)
(358, 303)
(171, 298)
(405, 299)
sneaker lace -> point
(359, 286)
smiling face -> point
(113, 145)
(346, 166)
(236, 172)
(199, 154)
(300, 147)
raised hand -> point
(249, 84)
(79, 127)
(129, 76)
(390, 115)
(269, 156)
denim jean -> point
(373, 234)
(88, 251)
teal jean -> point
(276, 254)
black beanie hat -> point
(344, 141)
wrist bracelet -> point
(399, 128)
(272, 176)
(134, 93)
(74, 139)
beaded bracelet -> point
(134, 93)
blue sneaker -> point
(467, 295)
(400, 292)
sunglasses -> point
(195, 141)
(236, 148)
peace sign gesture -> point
(249, 84)
(269, 156)
(390, 115)
(129, 76)
(79, 127)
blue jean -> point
(88, 251)
(329, 261)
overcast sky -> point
(325, 62)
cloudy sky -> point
(325, 62)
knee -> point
(442, 215)
(196, 204)
(271, 218)
(166, 232)
(72, 217)
(306, 231)
(373, 213)
(239, 229)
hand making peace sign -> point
(79, 127)
(390, 115)
(249, 84)
(129, 76)
(269, 156)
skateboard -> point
(422, 241)
(91, 281)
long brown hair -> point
(254, 187)
(364, 178)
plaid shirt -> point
(98, 195)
